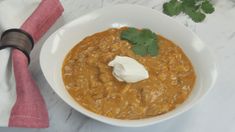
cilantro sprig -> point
(143, 41)
(195, 9)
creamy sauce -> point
(89, 79)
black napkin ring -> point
(18, 39)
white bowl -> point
(59, 44)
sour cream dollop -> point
(128, 69)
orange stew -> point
(89, 79)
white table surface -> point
(216, 113)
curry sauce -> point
(89, 79)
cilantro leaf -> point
(198, 16)
(195, 9)
(195, 15)
(143, 41)
(172, 8)
(152, 48)
(189, 3)
(144, 35)
(131, 33)
(140, 50)
(207, 7)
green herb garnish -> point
(195, 9)
(143, 41)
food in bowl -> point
(90, 79)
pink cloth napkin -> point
(30, 109)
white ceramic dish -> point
(59, 44)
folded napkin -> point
(21, 104)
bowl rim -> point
(107, 120)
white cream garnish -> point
(128, 69)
